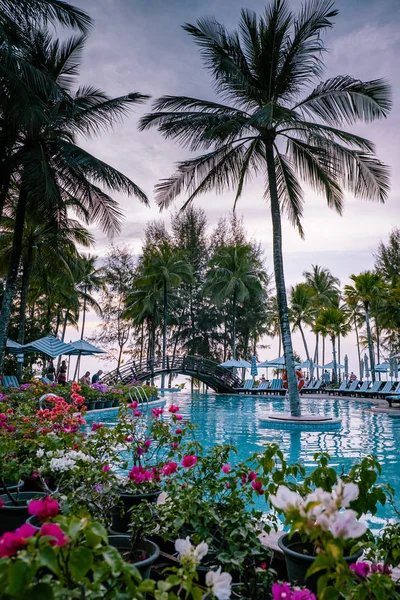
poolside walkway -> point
(380, 404)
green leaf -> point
(80, 562)
(19, 576)
(41, 591)
(47, 558)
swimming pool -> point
(238, 420)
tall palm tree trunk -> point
(12, 274)
(280, 283)
(26, 276)
(338, 343)
(358, 345)
(334, 359)
(316, 353)
(164, 350)
(141, 342)
(370, 344)
(304, 341)
(234, 326)
(378, 348)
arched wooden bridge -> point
(209, 372)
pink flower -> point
(157, 412)
(134, 405)
(139, 451)
(35, 475)
(2, 503)
(147, 443)
(178, 431)
(13, 541)
(139, 475)
(169, 468)
(189, 461)
(178, 417)
(96, 426)
(44, 508)
(362, 569)
(263, 566)
(244, 479)
(175, 445)
(129, 438)
(173, 409)
(281, 591)
(106, 468)
(137, 413)
(257, 486)
(252, 476)
(55, 532)
(303, 594)
(226, 468)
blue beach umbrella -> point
(346, 367)
(253, 370)
(396, 369)
(361, 369)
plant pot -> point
(298, 558)
(115, 403)
(108, 404)
(12, 486)
(120, 513)
(35, 522)
(12, 516)
(32, 484)
(99, 404)
(91, 405)
(123, 542)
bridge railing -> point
(193, 365)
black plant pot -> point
(91, 405)
(299, 558)
(115, 403)
(123, 543)
(108, 404)
(99, 404)
(12, 486)
(121, 512)
(12, 516)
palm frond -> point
(289, 190)
(344, 99)
(46, 10)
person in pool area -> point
(62, 373)
(96, 376)
(86, 378)
(353, 376)
(325, 378)
(50, 371)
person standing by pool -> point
(86, 378)
(50, 371)
(96, 376)
(62, 374)
(353, 376)
(325, 378)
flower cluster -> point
(13, 541)
(366, 568)
(44, 508)
(283, 591)
(139, 474)
(218, 583)
(322, 511)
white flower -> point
(40, 453)
(345, 493)
(264, 538)
(220, 584)
(322, 502)
(200, 551)
(285, 499)
(49, 453)
(346, 525)
(186, 549)
(162, 498)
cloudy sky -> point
(139, 45)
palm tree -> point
(368, 287)
(302, 310)
(235, 275)
(333, 322)
(262, 126)
(50, 167)
(326, 294)
(352, 307)
(164, 268)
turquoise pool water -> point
(238, 420)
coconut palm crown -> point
(272, 122)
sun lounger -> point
(276, 387)
(373, 391)
(351, 389)
(387, 389)
(314, 388)
(364, 387)
(335, 391)
(247, 386)
(390, 399)
(262, 387)
(10, 381)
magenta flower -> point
(106, 468)
(137, 413)
(169, 468)
(147, 443)
(13, 541)
(55, 533)
(252, 476)
(226, 468)
(362, 569)
(2, 503)
(189, 461)
(139, 451)
(173, 409)
(178, 431)
(157, 412)
(96, 426)
(139, 475)
(257, 487)
(175, 445)
(134, 405)
(129, 438)
(281, 591)
(44, 508)
(178, 417)
(303, 594)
